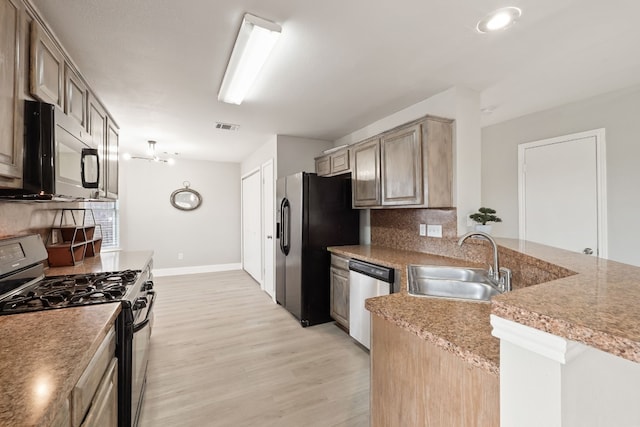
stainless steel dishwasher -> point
(366, 280)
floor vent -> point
(227, 126)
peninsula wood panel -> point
(10, 114)
(415, 383)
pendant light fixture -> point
(151, 155)
(254, 43)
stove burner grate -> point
(71, 291)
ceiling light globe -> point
(499, 21)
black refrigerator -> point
(313, 213)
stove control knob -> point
(147, 286)
(140, 303)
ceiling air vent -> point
(227, 126)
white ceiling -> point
(339, 65)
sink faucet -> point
(501, 275)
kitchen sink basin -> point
(451, 282)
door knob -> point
(269, 237)
(587, 251)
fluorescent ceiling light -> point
(255, 41)
(499, 19)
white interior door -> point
(251, 226)
(268, 198)
(562, 192)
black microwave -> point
(59, 159)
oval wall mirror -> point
(185, 198)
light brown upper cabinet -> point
(47, 67)
(323, 166)
(97, 127)
(401, 153)
(11, 140)
(365, 179)
(409, 166)
(112, 159)
(333, 164)
(76, 95)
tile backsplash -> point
(17, 218)
(399, 229)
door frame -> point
(601, 182)
(242, 178)
(264, 227)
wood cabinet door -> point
(76, 94)
(323, 166)
(340, 296)
(97, 126)
(47, 67)
(11, 140)
(340, 162)
(112, 159)
(104, 407)
(366, 174)
(402, 182)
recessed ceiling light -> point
(499, 19)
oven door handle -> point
(145, 322)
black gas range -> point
(24, 288)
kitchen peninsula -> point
(589, 302)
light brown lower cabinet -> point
(416, 383)
(94, 399)
(339, 282)
(63, 417)
(103, 411)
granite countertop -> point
(42, 356)
(459, 327)
(106, 261)
(598, 307)
(43, 353)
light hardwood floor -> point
(223, 354)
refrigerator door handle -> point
(286, 226)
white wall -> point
(297, 154)
(462, 105)
(617, 112)
(261, 155)
(207, 236)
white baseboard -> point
(160, 272)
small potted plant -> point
(482, 217)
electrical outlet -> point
(434, 230)
(423, 229)
(180, 255)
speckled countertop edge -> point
(42, 357)
(459, 327)
(596, 306)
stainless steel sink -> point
(451, 282)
